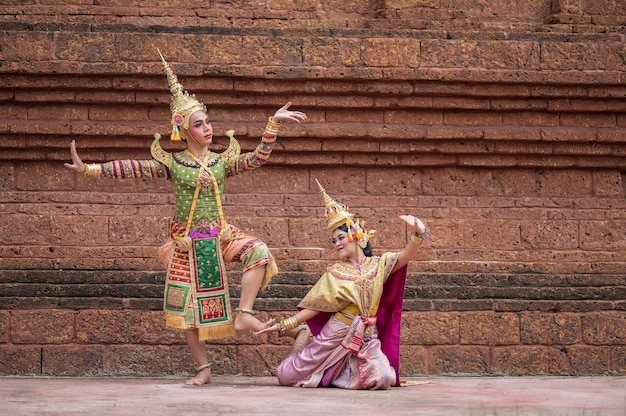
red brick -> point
(393, 182)
(568, 56)
(430, 328)
(472, 118)
(33, 229)
(92, 47)
(117, 113)
(80, 230)
(35, 46)
(587, 360)
(618, 360)
(505, 182)
(489, 329)
(550, 329)
(455, 360)
(549, 234)
(271, 51)
(609, 54)
(110, 327)
(377, 52)
(530, 360)
(451, 181)
(42, 327)
(141, 230)
(7, 177)
(413, 360)
(338, 51)
(526, 104)
(603, 234)
(449, 53)
(4, 326)
(588, 120)
(60, 112)
(138, 360)
(355, 117)
(510, 54)
(73, 360)
(464, 103)
(565, 183)
(451, 132)
(22, 360)
(530, 118)
(413, 117)
(604, 329)
(608, 184)
(143, 47)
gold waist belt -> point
(202, 226)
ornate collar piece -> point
(349, 271)
(183, 158)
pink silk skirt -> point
(325, 362)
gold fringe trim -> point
(215, 332)
(271, 270)
(175, 321)
(205, 333)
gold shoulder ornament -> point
(234, 149)
(158, 153)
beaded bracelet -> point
(417, 238)
(286, 324)
(93, 169)
(273, 126)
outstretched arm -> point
(259, 156)
(120, 169)
(417, 237)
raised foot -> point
(247, 322)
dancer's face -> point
(200, 128)
(344, 248)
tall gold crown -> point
(183, 104)
(336, 213)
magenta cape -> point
(388, 318)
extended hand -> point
(77, 165)
(270, 326)
(284, 114)
(415, 223)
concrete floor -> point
(234, 395)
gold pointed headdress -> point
(183, 104)
(338, 214)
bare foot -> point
(247, 322)
(203, 377)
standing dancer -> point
(196, 289)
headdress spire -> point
(183, 104)
(337, 215)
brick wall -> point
(500, 123)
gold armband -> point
(272, 126)
(417, 238)
(93, 169)
(286, 324)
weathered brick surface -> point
(73, 360)
(501, 123)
